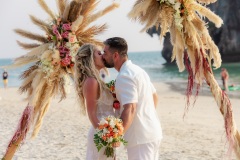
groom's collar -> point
(126, 63)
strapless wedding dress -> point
(104, 109)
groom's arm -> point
(155, 99)
(128, 113)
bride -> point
(94, 96)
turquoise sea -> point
(152, 62)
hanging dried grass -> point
(102, 12)
(41, 108)
(139, 9)
(61, 6)
(89, 7)
(74, 12)
(208, 13)
(41, 24)
(45, 7)
(206, 1)
(27, 46)
(94, 30)
(21, 61)
(66, 12)
(46, 77)
(28, 71)
(165, 19)
(150, 19)
(32, 36)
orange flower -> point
(104, 138)
(100, 126)
(115, 135)
(105, 125)
(110, 129)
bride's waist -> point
(105, 114)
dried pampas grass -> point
(45, 78)
(32, 36)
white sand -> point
(200, 135)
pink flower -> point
(66, 26)
(71, 39)
(63, 49)
(65, 61)
(55, 31)
(65, 34)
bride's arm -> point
(90, 92)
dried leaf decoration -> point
(193, 48)
(53, 59)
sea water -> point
(152, 62)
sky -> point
(15, 14)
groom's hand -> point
(127, 115)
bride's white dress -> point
(104, 108)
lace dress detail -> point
(104, 108)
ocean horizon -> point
(152, 62)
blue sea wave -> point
(151, 62)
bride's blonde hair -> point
(84, 68)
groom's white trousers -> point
(147, 151)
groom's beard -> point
(108, 64)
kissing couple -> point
(134, 90)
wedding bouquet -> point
(109, 131)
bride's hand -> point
(116, 144)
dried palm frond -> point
(41, 108)
(46, 8)
(139, 9)
(32, 36)
(25, 86)
(39, 118)
(28, 71)
(208, 13)
(151, 18)
(89, 6)
(28, 46)
(206, 1)
(21, 61)
(199, 24)
(38, 51)
(74, 12)
(66, 13)
(103, 12)
(62, 89)
(43, 25)
(61, 6)
(67, 30)
(92, 31)
(165, 19)
(37, 84)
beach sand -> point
(200, 135)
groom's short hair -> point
(117, 43)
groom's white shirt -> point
(133, 85)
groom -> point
(138, 100)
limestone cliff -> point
(227, 38)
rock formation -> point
(227, 37)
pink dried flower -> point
(66, 26)
(71, 39)
(65, 61)
(63, 49)
(65, 34)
